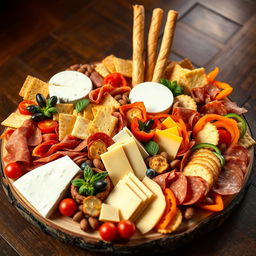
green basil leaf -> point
(152, 148)
(173, 86)
(81, 105)
(88, 173)
(78, 182)
(141, 125)
(99, 176)
(86, 190)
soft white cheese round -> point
(69, 86)
(156, 97)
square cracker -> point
(80, 129)
(103, 121)
(88, 114)
(186, 63)
(102, 70)
(15, 120)
(66, 124)
(63, 108)
(123, 66)
(31, 87)
(110, 101)
(177, 72)
(108, 62)
(75, 113)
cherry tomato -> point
(68, 207)
(23, 107)
(108, 231)
(126, 229)
(224, 137)
(14, 170)
(115, 79)
(47, 126)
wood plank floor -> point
(43, 37)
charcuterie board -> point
(138, 155)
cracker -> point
(186, 63)
(80, 129)
(209, 155)
(31, 87)
(95, 109)
(75, 113)
(247, 141)
(209, 134)
(66, 124)
(177, 72)
(186, 101)
(110, 101)
(88, 114)
(108, 62)
(63, 108)
(101, 69)
(103, 121)
(123, 66)
(15, 120)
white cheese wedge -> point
(109, 213)
(168, 142)
(45, 186)
(116, 163)
(69, 86)
(135, 158)
(125, 199)
(124, 134)
(156, 97)
(152, 214)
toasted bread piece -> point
(186, 101)
(193, 169)
(209, 134)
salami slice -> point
(228, 183)
(179, 187)
(240, 152)
(122, 122)
(238, 162)
(35, 138)
(214, 107)
(163, 180)
(195, 190)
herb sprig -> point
(173, 86)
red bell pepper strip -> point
(216, 207)
(227, 89)
(212, 75)
(136, 106)
(115, 79)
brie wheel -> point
(156, 97)
(69, 86)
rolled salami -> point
(153, 34)
(165, 46)
(138, 44)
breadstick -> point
(138, 44)
(153, 33)
(165, 46)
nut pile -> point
(86, 69)
(122, 98)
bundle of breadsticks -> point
(152, 67)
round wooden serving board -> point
(68, 231)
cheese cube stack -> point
(45, 186)
(124, 157)
(130, 196)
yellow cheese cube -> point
(109, 213)
(173, 130)
(169, 123)
(168, 142)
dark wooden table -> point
(43, 37)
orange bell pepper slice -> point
(216, 207)
(212, 75)
(138, 105)
(228, 123)
(227, 89)
(170, 210)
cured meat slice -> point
(232, 107)
(122, 122)
(197, 94)
(163, 180)
(236, 168)
(179, 186)
(229, 182)
(81, 146)
(185, 160)
(214, 107)
(238, 151)
(237, 161)
(35, 138)
(207, 188)
(50, 136)
(195, 190)
(120, 90)
(17, 144)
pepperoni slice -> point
(162, 179)
(238, 151)
(237, 161)
(179, 187)
(195, 191)
(50, 136)
(229, 182)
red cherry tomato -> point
(224, 137)
(108, 231)
(126, 229)
(115, 79)
(68, 207)
(23, 107)
(14, 170)
(47, 126)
